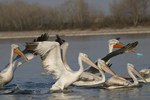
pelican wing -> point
(50, 56)
(125, 49)
(117, 81)
(43, 37)
(18, 61)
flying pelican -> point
(18, 61)
(7, 75)
(119, 82)
(87, 78)
(52, 63)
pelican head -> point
(115, 43)
(132, 69)
(103, 65)
(86, 59)
(18, 51)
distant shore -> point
(33, 34)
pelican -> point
(146, 74)
(64, 47)
(52, 63)
(84, 78)
(113, 43)
(7, 75)
(98, 80)
(18, 61)
(87, 78)
(121, 45)
(119, 82)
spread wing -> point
(18, 60)
(50, 56)
(125, 49)
(43, 37)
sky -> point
(104, 4)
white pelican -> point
(121, 45)
(87, 78)
(7, 75)
(124, 49)
(97, 80)
(18, 61)
(119, 82)
(64, 47)
(52, 63)
(146, 74)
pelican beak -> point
(91, 63)
(121, 45)
(107, 69)
(133, 51)
(138, 74)
(18, 51)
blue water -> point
(29, 84)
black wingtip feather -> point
(59, 40)
(43, 37)
(32, 45)
(118, 38)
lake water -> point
(29, 84)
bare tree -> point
(129, 9)
(19, 16)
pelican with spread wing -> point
(52, 63)
(7, 75)
(88, 78)
(113, 43)
(18, 61)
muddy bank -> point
(32, 34)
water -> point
(28, 83)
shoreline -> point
(33, 34)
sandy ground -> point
(32, 34)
